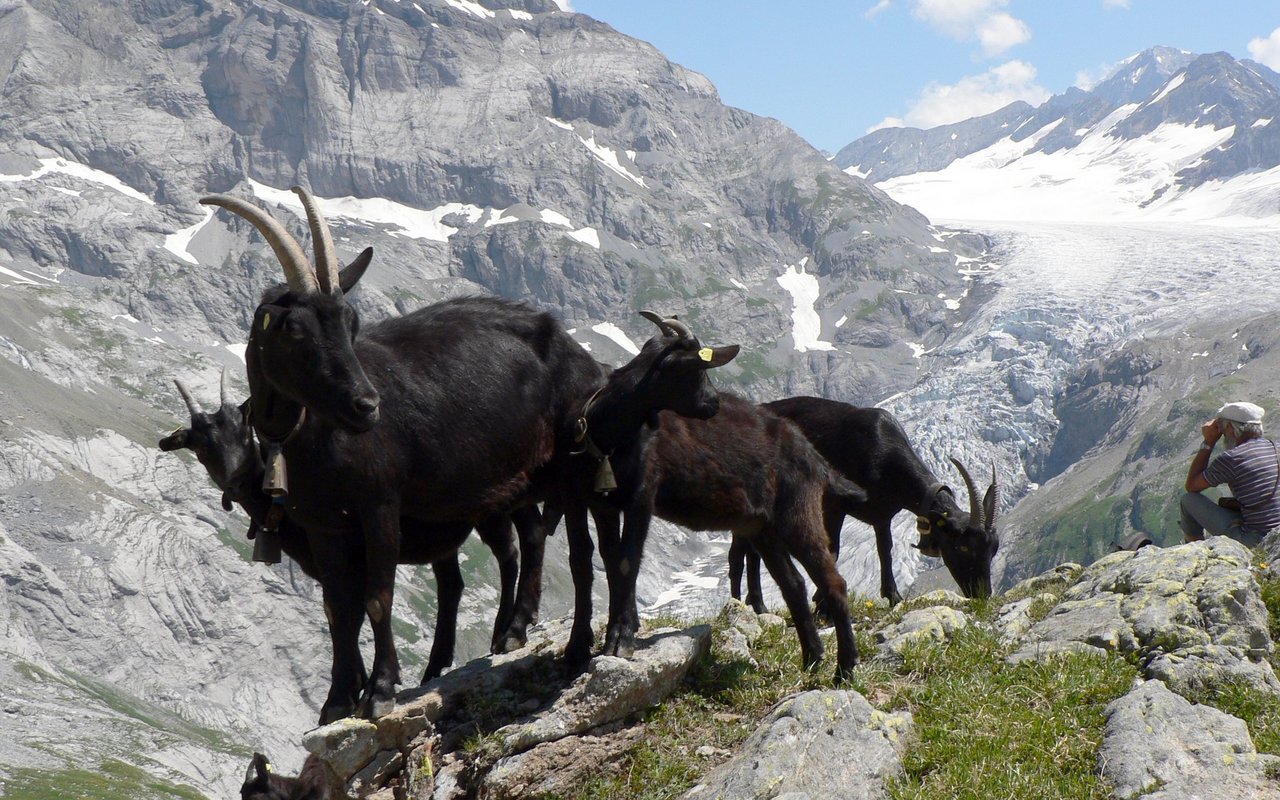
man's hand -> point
(1210, 432)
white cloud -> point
(965, 20)
(875, 10)
(975, 95)
(999, 32)
(1116, 3)
(1266, 51)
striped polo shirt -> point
(1250, 469)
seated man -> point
(1250, 466)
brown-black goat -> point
(262, 782)
(707, 462)
(869, 447)
(223, 443)
(440, 416)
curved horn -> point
(223, 388)
(192, 405)
(297, 271)
(991, 501)
(322, 241)
(679, 328)
(975, 507)
(659, 321)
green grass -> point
(985, 728)
(112, 780)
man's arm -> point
(1195, 473)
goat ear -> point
(175, 441)
(353, 272)
(259, 770)
(718, 356)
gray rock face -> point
(1193, 612)
(820, 744)
(1158, 746)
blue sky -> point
(834, 69)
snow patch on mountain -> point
(80, 172)
(1101, 179)
(806, 324)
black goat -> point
(440, 416)
(262, 782)
(223, 443)
(869, 447)
(707, 462)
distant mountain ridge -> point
(1167, 135)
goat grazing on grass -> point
(443, 415)
(223, 443)
(707, 462)
(870, 448)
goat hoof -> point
(509, 642)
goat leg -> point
(577, 653)
(448, 598)
(532, 530)
(791, 584)
(382, 553)
(498, 534)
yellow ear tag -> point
(705, 354)
(266, 320)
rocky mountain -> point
(1121, 219)
(1167, 135)
(509, 148)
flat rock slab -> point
(819, 745)
(614, 688)
(1158, 746)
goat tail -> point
(848, 494)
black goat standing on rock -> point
(224, 444)
(720, 463)
(870, 448)
(440, 416)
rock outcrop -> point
(1191, 617)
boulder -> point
(1159, 746)
(932, 624)
(614, 688)
(819, 745)
(1186, 608)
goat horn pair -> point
(670, 326)
(984, 511)
(302, 277)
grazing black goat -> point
(707, 462)
(262, 782)
(440, 416)
(870, 448)
(223, 443)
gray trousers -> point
(1200, 514)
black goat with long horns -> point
(868, 446)
(440, 416)
(223, 442)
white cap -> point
(1241, 412)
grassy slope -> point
(984, 728)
